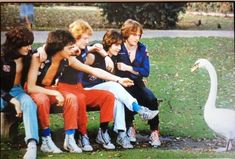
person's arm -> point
(142, 70)
(98, 48)
(10, 99)
(41, 53)
(32, 78)
(124, 67)
(90, 59)
(6, 96)
(76, 64)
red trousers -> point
(70, 109)
(92, 98)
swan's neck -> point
(210, 103)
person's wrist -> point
(106, 56)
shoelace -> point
(72, 142)
(105, 136)
(50, 144)
(125, 141)
(85, 140)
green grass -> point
(188, 21)
(184, 94)
(125, 154)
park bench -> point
(9, 122)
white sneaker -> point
(31, 152)
(104, 139)
(123, 140)
(154, 139)
(147, 114)
(84, 142)
(49, 146)
(131, 133)
(70, 144)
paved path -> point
(40, 36)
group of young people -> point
(69, 73)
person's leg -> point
(81, 114)
(70, 117)
(119, 93)
(29, 110)
(43, 103)
(105, 101)
(148, 99)
(129, 115)
(30, 121)
(119, 117)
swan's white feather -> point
(220, 120)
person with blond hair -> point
(70, 81)
(112, 44)
(133, 62)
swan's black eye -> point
(197, 64)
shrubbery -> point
(151, 15)
(220, 7)
(51, 17)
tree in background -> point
(219, 7)
(150, 15)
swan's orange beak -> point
(195, 67)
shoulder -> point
(142, 46)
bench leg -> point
(7, 121)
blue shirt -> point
(140, 63)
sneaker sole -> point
(67, 149)
(131, 147)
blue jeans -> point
(29, 110)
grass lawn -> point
(184, 94)
(188, 22)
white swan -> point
(220, 120)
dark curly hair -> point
(16, 38)
(57, 40)
(111, 37)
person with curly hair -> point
(15, 59)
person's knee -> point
(71, 100)
(27, 103)
(109, 95)
(41, 100)
(81, 97)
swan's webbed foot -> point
(221, 149)
(227, 148)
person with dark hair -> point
(112, 44)
(15, 58)
(133, 62)
(41, 85)
(70, 81)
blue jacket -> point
(140, 63)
